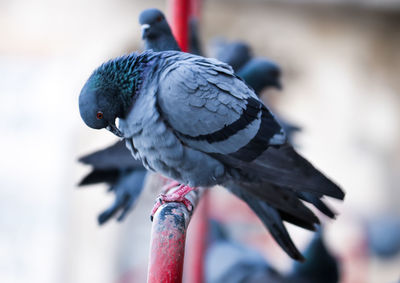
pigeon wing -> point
(212, 110)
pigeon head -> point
(261, 73)
(97, 108)
(153, 24)
(236, 54)
(110, 91)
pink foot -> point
(176, 196)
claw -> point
(176, 196)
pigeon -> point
(156, 32)
(230, 261)
(321, 265)
(194, 38)
(261, 73)
(383, 235)
(125, 176)
(193, 120)
(236, 53)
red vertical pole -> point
(179, 19)
(195, 8)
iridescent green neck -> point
(122, 77)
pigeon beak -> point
(113, 129)
(144, 28)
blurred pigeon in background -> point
(383, 234)
(320, 265)
(233, 262)
(191, 119)
(156, 32)
(194, 38)
(125, 176)
(236, 53)
(261, 73)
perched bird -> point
(156, 32)
(193, 120)
(115, 166)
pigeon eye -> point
(99, 115)
(159, 19)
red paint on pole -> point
(167, 248)
(168, 233)
(179, 21)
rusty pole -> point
(168, 235)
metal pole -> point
(179, 19)
(168, 235)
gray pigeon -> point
(193, 120)
(230, 261)
(321, 265)
(261, 73)
(115, 167)
(156, 32)
(236, 53)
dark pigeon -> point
(115, 166)
(236, 54)
(194, 38)
(320, 266)
(156, 32)
(191, 119)
(230, 261)
(261, 73)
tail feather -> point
(284, 200)
(272, 220)
(318, 203)
(116, 156)
(284, 167)
(100, 176)
(308, 225)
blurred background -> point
(341, 65)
